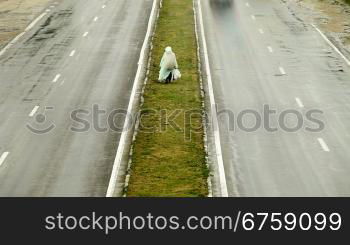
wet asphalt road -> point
(79, 55)
(262, 54)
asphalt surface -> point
(260, 54)
(80, 54)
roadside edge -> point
(118, 175)
(141, 101)
(213, 143)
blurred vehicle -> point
(221, 3)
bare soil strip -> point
(16, 15)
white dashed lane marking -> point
(299, 102)
(56, 78)
(35, 109)
(3, 157)
(85, 34)
(253, 17)
(323, 145)
(96, 18)
(283, 72)
(72, 53)
(270, 49)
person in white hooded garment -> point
(168, 66)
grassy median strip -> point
(168, 156)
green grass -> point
(164, 162)
(347, 1)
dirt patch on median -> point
(15, 16)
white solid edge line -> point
(331, 44)
(34, 22)
(121, 145)
(30, 26)
(10, 44)
(299, 102)
(3, 157)
(56, 78)
(35, 109)
(323, 145)
(17, 38)
(221, 169)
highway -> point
(77, 61)
(260, 54)
(77, 56)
